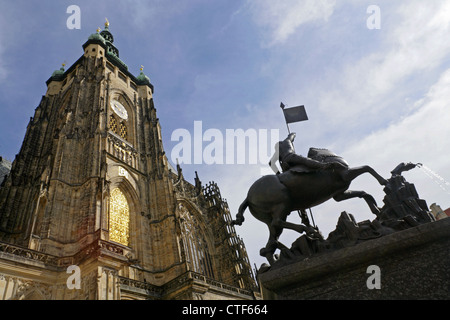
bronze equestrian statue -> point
(304, 183)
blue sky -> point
(374, 96)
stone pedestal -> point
(413, 264)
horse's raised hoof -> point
(268, 253)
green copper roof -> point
(115, 58)
(97, 36)
(59, 72)
(142, 78)
(58, 75)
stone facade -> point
(92, 187)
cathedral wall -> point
(23, 281)
(91, 188)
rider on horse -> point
(324, 176)
(289, 160)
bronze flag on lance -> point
(294, 114)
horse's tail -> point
(240, 214)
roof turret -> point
(97, 37)
(142, 78)
(58, 74)
(106, 34)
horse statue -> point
(273, 197)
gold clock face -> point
(119, 109)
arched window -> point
(194, 243)
(119, 218)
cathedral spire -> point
(107, 34)
(97, 37)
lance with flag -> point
(291, 115)
(294, 114)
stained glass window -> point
(119, 218)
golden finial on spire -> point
(106, 23)
(142, 67)
(98, 29)
(63, 64)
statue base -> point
(413, 264)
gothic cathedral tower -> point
(91, 190)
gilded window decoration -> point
(118, 128)
(113, 124)
(119, 218)
(123, 131)
(194, 243)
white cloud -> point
(384, 119)
(370, 92)
(416, 44)
(421, 137)
(282, 18)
